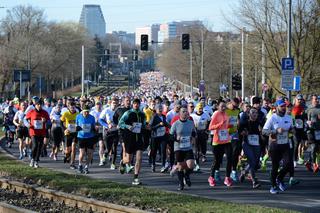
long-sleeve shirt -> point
(220, 123)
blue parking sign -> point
(287, 64)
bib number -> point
(185, 142)
(299, 124)
(161, 131)
(38, 124)
(223, 135)
(317, 135)
(233, 121)
(72, 127)
(202, 125)
(136, 128)
(86, 128)
(282, 138)
(253, 140)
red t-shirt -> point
(37, 127)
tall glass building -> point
(92, 19)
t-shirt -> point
(183, 131)
(69, 120)
(87, 125)
(37, 126)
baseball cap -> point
(280, 103)
(299, 97)
(86, 108)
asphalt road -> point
(304, 197)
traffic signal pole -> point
(289, 41)
(242, 64)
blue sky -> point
(129, 14)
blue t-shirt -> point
(87, 126)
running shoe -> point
(281, 185)
(300, 161)
(203, 159)
(136, 182)
(20, 157)
(211, 181)
(315, 168)
(72, 166)
(31, 163)
(263, 166)
(113, 166)
(180, 186)
(86, 170)
(227, 181)
(163, 169)
(274, 190)
(101, 163)
(36, 164)
(293, 181)
(51, 155)
(55, 158)
(196, 168)
(129, 168)
(121, 167)
(25, 153)
(217, 176)
(256, 185)
(153, 168)
(234, 176)
(308, 166)
(80, 168)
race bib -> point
(185, 142)
(282, 138)
(202, 125)
(72, 127)
(12, 128)
(38, 124)
(233, 120)
(136, 127)
(223, 135)
(86, 128)
(161, 131)
(299, 124)
(317, 135)
(57, 123)
(253, 140)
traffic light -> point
(105, 57)
(236, 82)
(135, 55)
(144, 42)
(185, 41)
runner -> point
(133, 123)
(86, 128)
(111, 135)
(38, 118)
(201, 121)
(277, 128)
(221, 145)
(313, 115)
(22, 130)
(250, 131)
(57, 131)
(183, 133)
(69, 118)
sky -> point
(126, 15)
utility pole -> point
(191, 74)
(289, 40)
(202, 53)
(263, 54)
(29, 68)
(82, 70)
(242, 63)
(231, 71)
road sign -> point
(297, 83)
(287, 81)
(25, 75)
(202, 86)
(265, 87)
(287, 64)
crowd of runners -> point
(159, 120)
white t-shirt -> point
(201, 121)
(275, 121)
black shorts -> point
(86, 143)
(301, 135)
(22, 132)
(133, 147)
(182, 156)
(57, 135)
(99, 137)
(71, 138)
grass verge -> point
(136, 197)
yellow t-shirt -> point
(233, 119)
(68, 118)
(149, 113)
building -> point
(125, 37)
(92, 19)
